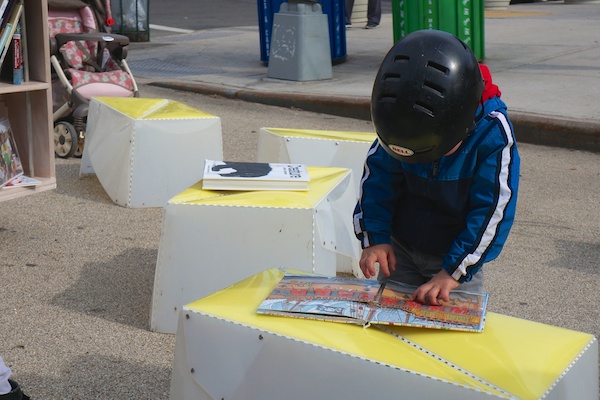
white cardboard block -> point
(212, 239)
(316, 147)
(145, 151)
(224, 350)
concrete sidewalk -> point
(544, 56)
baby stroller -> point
(86, 61)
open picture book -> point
(22, 181)
(230, 175)
(364, 302)
(10, 163)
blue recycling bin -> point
(335, 11)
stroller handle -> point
(119, 40)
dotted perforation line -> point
(179, 118)
(131, 166)
(346, 353)
(238, 206)
(289, 138)
(571, 364)
(314, 245)
(448, 363)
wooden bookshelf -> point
(29, 106)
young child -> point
(439, 188)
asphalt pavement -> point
(77, 270)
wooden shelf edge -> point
(13, 193)
(8, 88)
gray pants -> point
(373, 11)
(415, 267)
(4, 375)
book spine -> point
(4, 37)
(3, 9)
(24, 55)
(4, 20)
(17, 57)
(9, 30)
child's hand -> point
(383, 254)
(438, 287)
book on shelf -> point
(22, 181)
(13, 70)
(17, 57)
(229, 175)
(365, 302)
(5, 8)
(9, 29)
(10, 163)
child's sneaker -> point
(371, 25)
(15, 393)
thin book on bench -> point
(233, 175)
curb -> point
(556, 132)
(529, 128)
(358, 107)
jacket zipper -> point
(434, 170)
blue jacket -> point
(461, 206)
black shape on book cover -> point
(244, 170)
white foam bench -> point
(144, 150)
(316, 147)
(212, 239)
(224, 350)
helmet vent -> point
(424, 108)
(439, 67)
(438, 90)
(401, 58)
(391, 77)
(387, 98)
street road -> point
(202, 14)
(207, 14)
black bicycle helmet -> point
(425, 96)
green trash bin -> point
(463, 18)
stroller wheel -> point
(65, 139)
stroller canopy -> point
(98, 6)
